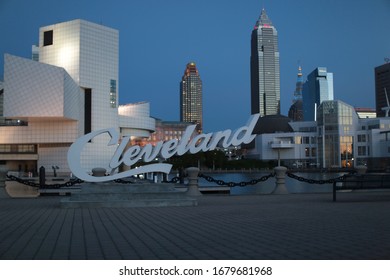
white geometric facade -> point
(90, 54)
(135, 120)
(71, 91)
(39, 90)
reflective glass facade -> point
(317, 88)
(336, 121)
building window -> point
(48, 38)
(361, 138)
(361, 150)
(18, 149)
(113, 93)
(307, 152)
(87, 110)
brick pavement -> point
(299, 226)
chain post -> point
(193, 187)
(42, 177)
(3, 177)
(280, 175)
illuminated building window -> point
(113, 93)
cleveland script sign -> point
(201, 142)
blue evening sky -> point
(158, 38)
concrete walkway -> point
(299, 226)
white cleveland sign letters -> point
(201, 142)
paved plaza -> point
(294, 226)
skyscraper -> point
(382, 87)
(265, 73)
(296, 110)
(299, 86)
(317, 88)
(191, 97)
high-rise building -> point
(382, 89)
(191, 108)
(317, 88)
(265, 72)
(296, 110)
(2, 119)
(298, 86)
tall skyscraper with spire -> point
(296, 110)
(298, 85)
(265, 73)
(191, 106)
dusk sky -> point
(158, 38)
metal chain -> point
(70, 183)
(173, 180)
(234, 184)
(73, 182)
(312, 181)
(121, 181)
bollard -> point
(193, 187)
(280, 175)
(99, 172)
(181, 175)
(3, 176)
(42, 177)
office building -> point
(382, 86)
(71, 90)
(168, 130)
(191, 106)
(317, 88)
(264, 67)
(338, 139)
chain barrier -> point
(121, 181)
(174, 180)
(219, 182)
(265, 178)
(234, 184)
(319, 182)
(30, 183)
